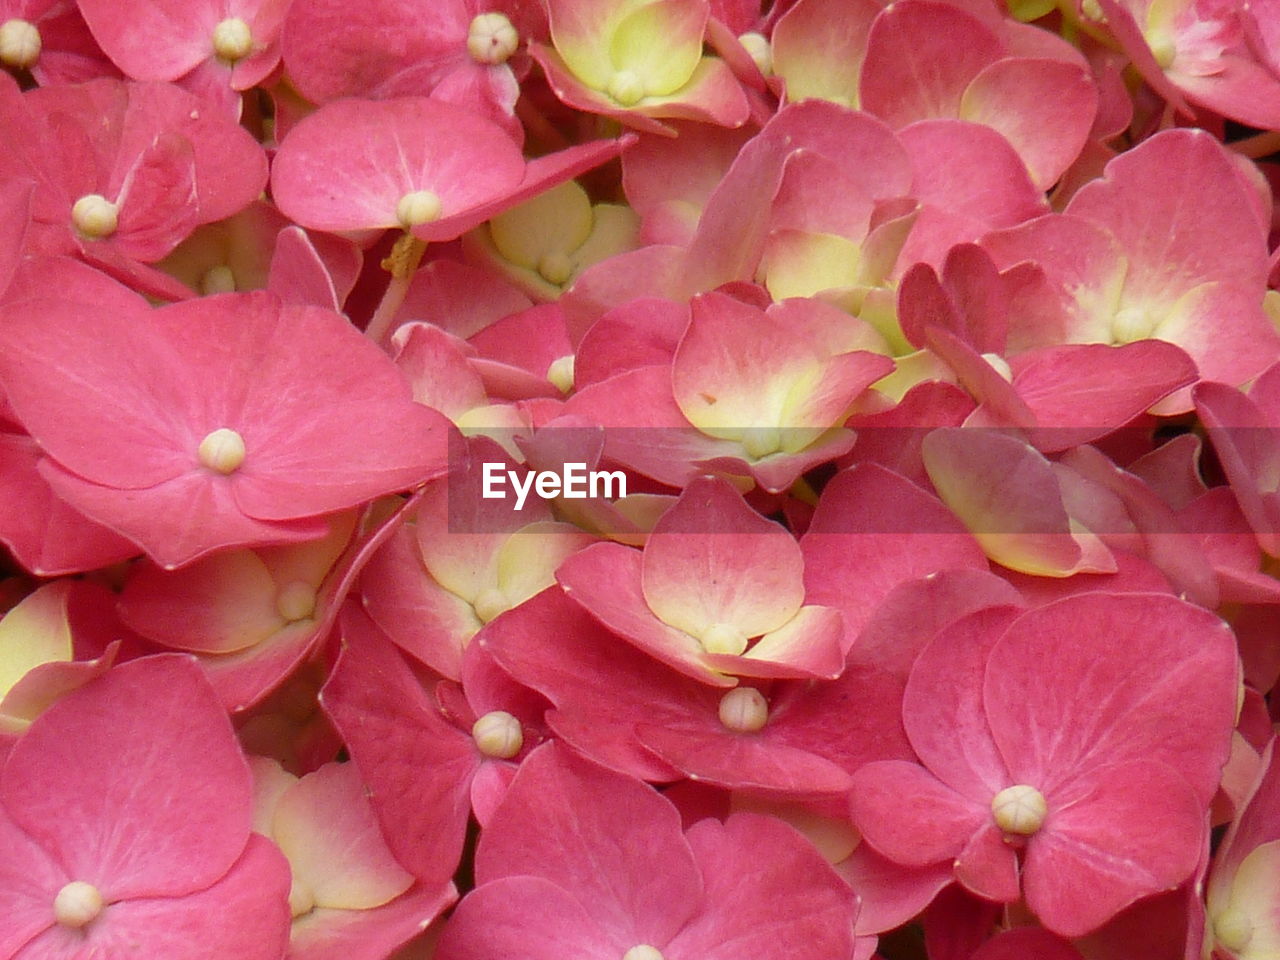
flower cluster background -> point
(921, 365)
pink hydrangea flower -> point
(125, 818)
(229, 420)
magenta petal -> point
(29, 880)
(610, 840)
(1178, 207)
(890, 893)
(15, 211)
(742, 761)
(64, 388)
(877, 529)
(920, 57)
(368, 934)
(988, 866)
(942, 706)
(48, 537)
(177, 521)
(346, 166)
(530, 918)
(769, 895)
(1103, 679)
(554, 646)
(910, 816)
(156, 39)
(244, 915)
(1023, 942)
(605, 578)
(712, 559)
(417, 765)
(133, 811)
(1122, 833)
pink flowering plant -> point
(639, 479)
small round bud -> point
(555, 267)
(492, 38)
(724, 638)
(77, 904)
(296, 601)
(560, 373)
(744, 710)
(1019, 809)
(642, 951)
(420, 206)
(759, 49)
(1233, 929)
(222, 451)
(19, 44)
(232, 40)
(218, 279)
(490, 603)
(625, 88)
(498, 734)
(95, 216)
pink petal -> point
(610, 840)
(244, 914)
(324, 824)
(153, 41)
(711, 559)
(819, 46)
(605, 579)
(1114, 678)
(15, 210)
(1097, 388)
(402, 149)
(1121, 833)
(531, 918)
(368, 934)
(1044, 108)
(417, 614)
(890, 894)
(47, 537)
(769, 894)
(988, 865)
(1027, 942)
(920, 58)
(942, 706)
(1180, 213)
(395, 735)
(29, 880)
(63, 389)
(876, 529)
(177, 521)
(741, 762)
(970, 180)
(1008, 496)
(179, 819)
(554, 646)
(910, 816)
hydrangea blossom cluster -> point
(920, 364)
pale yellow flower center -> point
(498, 734)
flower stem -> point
(401, 264)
